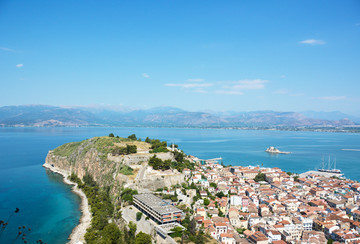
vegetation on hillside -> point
(181, 162)
(180, 165)
(157, 146)
(104, 145)
(125, 170)
(127, 195)
(129, 149)
(190, 233)
(159, 164)
(67, 149)
(102, 209)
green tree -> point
(91, 236)
(142, 238)
(200, 239)
(127, 194)
(177, 232)
(330, 241)
(260, 177)
(132, 230)
(111, 233)
(111, 135)
(132, 137)
(131, 149)
(147, 140)
(240, 230)
(213, 184)
(192, 227)
(119, 151)
(179, 156)
(158, 164)
(192, 185)
(220, 194)
(89, 180)
(206, 201)
(221, 214)
(138, 215)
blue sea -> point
(51, 210)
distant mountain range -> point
(44, 115)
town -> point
(235, 204)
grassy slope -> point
(103, 145)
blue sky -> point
(195, 55)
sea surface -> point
(51, 210)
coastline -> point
(78, 233)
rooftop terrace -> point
(157, 204)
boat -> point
(275, 150)
(329, 169)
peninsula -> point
(148, 191)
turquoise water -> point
(48, 207)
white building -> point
(235, 200)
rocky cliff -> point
(94, 157)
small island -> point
(275, 151)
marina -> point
(329, 169)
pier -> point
(325, 174)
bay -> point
(51, 210)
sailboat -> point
(329, 169)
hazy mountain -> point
(335, 115)
(43, 115)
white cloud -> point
(281, 91)
(221, 87)
(237, 87)
(19, 65)
(145, 75)
(297, 94)
(189, 85)
(247, 84)
(333, 98)
(8, 50)
(230, 92)
(195, 80)
(199, 90)
(312, 42)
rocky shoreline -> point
(78, 233)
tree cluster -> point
(132, 137)
(159, 164)
(101, 231)
(127, 195)
(157, 145)
(129, 149)
(260, 177)
(191, 233)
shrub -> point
(157, 163)
(125, 170)
(132, 137)
(142, 238)
(138, 216)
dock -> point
(324, 174)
